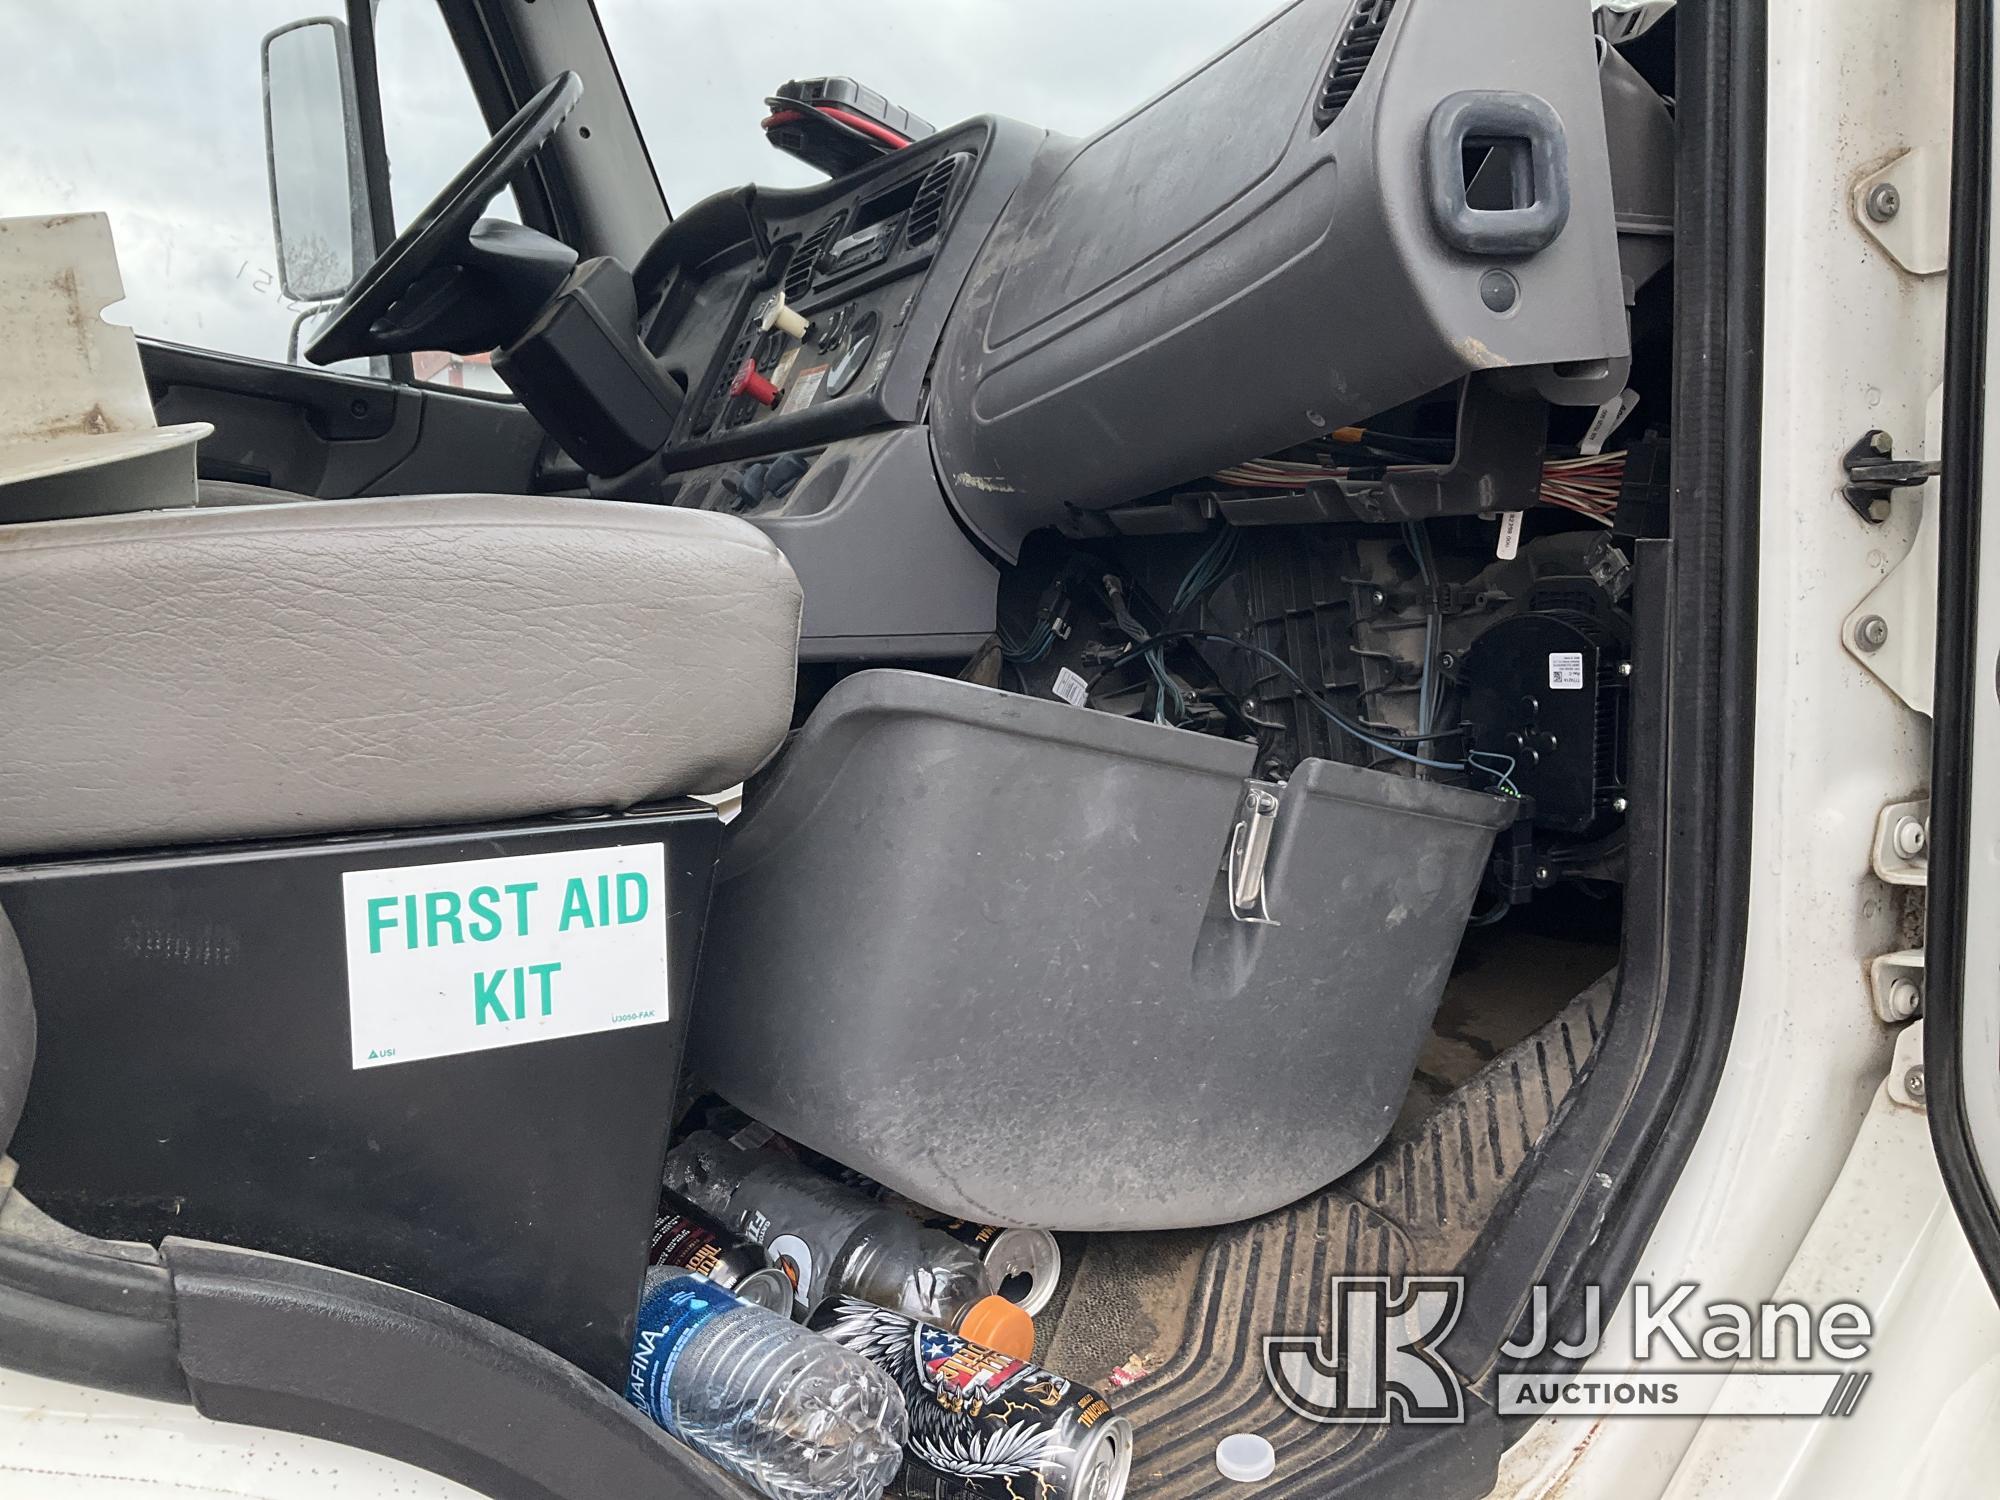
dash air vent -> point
(799, 275)
(1352, 56)
(933, 201)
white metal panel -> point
(66, 1442)
(1852, 342)
(1889, 1240)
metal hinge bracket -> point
(1874, 474)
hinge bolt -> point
(1884, 202)
(1910, 837)
(1872, 633)
(1913, 1083)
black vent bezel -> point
(1358, 44)
(799, 274)
(930, 210)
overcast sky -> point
(124, 106)
(698, 71)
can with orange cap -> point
(985, 1425)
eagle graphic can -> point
(687, 1241)
(984, 1425)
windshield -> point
(698, 71)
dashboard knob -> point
(777, 315)
(749, 383)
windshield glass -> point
(698, 71)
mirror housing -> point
(320, 215)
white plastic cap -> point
(1245, 1457)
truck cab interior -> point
(1231, 630)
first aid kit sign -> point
(460, 957)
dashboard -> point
(871, 262)
(771, 356)
(901, 374)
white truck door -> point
(1962, 1002)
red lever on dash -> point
(749, 383)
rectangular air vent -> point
(1351, 57)
(799, 275)
(932, 205)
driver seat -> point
(317, 666)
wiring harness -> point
(1588, 485)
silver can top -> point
(1104, 1461)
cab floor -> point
(1170, 1325)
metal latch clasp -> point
(1249, 848)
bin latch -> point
(1249, 848)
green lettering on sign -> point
(546, 973)
(441, 910)
(576, 905)
(486, 996)
(633, 897)
(486, 992)
(484, 904)
(381, 917)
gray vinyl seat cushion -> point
(328, 665)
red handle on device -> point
(749, 383)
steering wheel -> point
(441, 234)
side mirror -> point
(312, 148)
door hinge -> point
(1896, 985)
(1874, 474)
(1905, 207)
(1901, 855)
(1905, 1082)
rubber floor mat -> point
(1171, 1326)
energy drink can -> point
(687, 1241)
(1025, 1263)
(984, 1425)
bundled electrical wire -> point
(1587, 485)
(1035, 647)
(1215, 563)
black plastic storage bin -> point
(982, 947)
(206, 1064)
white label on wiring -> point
(1565, 669)
(1610, 417)
(1071, 688)
(1510, 535)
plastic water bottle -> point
(793, 1415)
(834, 1242)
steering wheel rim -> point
(444, 224)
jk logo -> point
(1379, 1361)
